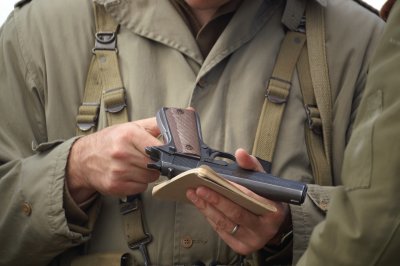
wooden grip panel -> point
(183, 128)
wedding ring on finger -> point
(234, 230)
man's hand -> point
(254, 231)
(113, 161)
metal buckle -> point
(105, 41)
(282, 85)
(130, 204)
(89, 123)
(141, 245)
(110, 103)
(85, 126)
(310, 119)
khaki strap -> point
(313, 125)
(104, 79)
(104, 83)
(315, 25)
(134, 225)
(103, 259)
(277, 95)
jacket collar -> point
(156, 20)
(159, 21)
(294, 11)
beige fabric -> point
(315, 25)
(313, 126)
(276, 96)
(161, 66)
(368, 202)
(207, 35)
(103, 82)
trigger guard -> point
(221, 154)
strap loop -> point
(314, 119)
(87, 116)
(278, 90)
(114, 100)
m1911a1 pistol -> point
(184, 149)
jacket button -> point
(26, 208)
(186, 242)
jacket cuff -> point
(80, 218)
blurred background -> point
(6, 6)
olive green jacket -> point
(362, 226)
(45, 51)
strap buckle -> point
(105, 41)
(141, 245)
(313, 118)
(114, 100)
(88, 115)
(130, 204)
(278, 90)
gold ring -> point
(234, 230)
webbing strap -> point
(313, 125)
(277, 95)
(134, 226)
(315, 25)
(104, 78)
(104, 83)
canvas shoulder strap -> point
(318, 106)
(104, 83)
(315, 24)
(313, 125)
(276, 95)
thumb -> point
(247, 161)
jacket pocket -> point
(358, 160)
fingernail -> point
(203, 193)
(192, 196)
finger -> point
(149, 125)
(145, 134)
(219, 221)
(238, 241)
(235, 213)
(123, 189)
(243, 240)
(249, 237)
(144, 176)
(269, 222)
(247, 161)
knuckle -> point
(237, 214)
(117, 172)
(221, 225)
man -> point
(216, 56)
(362, 225)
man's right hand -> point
(113, 161)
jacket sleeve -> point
(362, 225)
(33, 225)
(348, 79)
